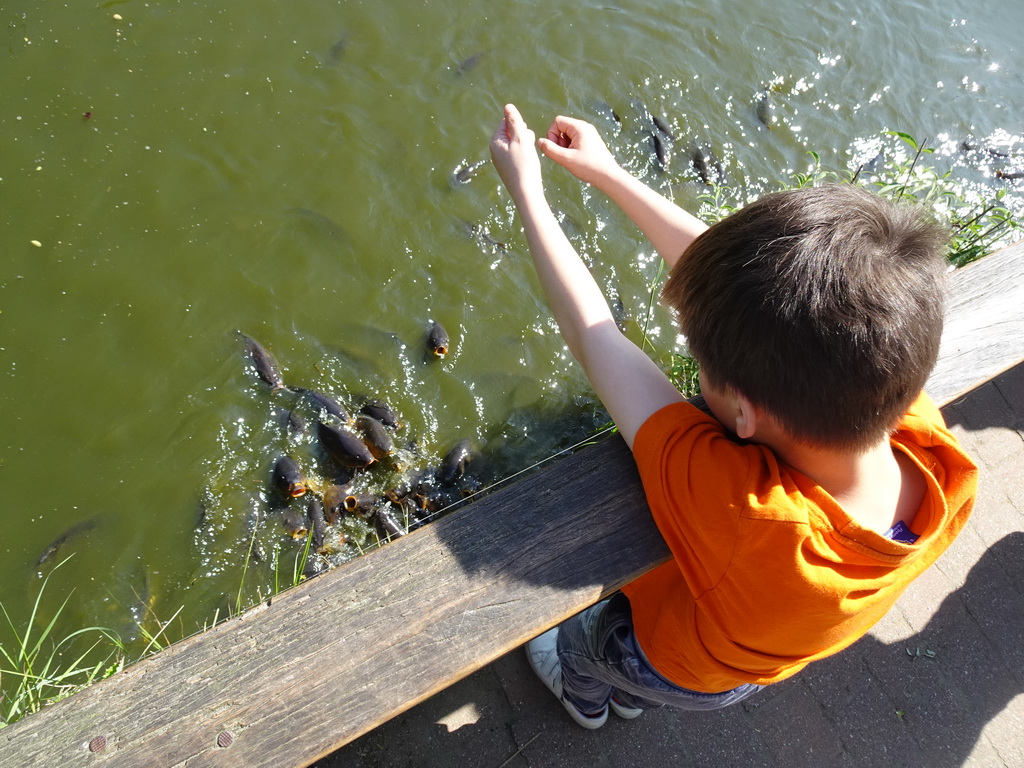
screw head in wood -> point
(224, 739)
(98, 744)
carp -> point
(389, 525)
(315, 513)
(288, 477)
(324, 403)
(437, 339)
(375, 436)
(344, 447)
(264, 362)
(381, 412)
(295, 523)
(334, 502)
(75, 530)
(453, 466)
(362, 504)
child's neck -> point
(877, 488)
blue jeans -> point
(600, 657)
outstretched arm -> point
(576, 145)
(629, 383)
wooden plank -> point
(294, 679)
(984, 333)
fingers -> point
(564, 129)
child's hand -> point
(514, 155)
(576, 145)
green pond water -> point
(171, 172)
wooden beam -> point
(984, 333)
(299, 676)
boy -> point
(826, 480)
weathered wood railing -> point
(297, 677)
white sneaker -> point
(543, 656)
(626, 713)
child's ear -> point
(746, 417)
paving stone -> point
(862, 714)
(794, 727)
(469, 717)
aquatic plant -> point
(978, 225)
(39, 668)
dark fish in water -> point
(323, 225)
(606, 109)
(468, 65)
(288, 477)
(465, 172)
(75, 530)
(295, 523)
(317, 521)
(658, 147)
(707, 166)
(362, 504)
(397, 494)
(389, 525)
(324, 403)
(437, 339)
(294, 423)
(336, 51)
(315, 565)
(453, 466)
(764, 109)
(266, 366)
(662, 126)
(618, 312)
(334, 502)
(479, 233)
(1009, 175)
(375, 436)
(966, 146)
(382, 412)
(343, 446)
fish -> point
(336, 51)
(479, 233)
(706, 164)
(764, 109)
(295, 423)
(288, 477)
(315, 564)
(662, 126)
(465, 172)
(334, 502)
(324, 403)
(315, 513)
(344, 447)
(375, 436)
(618, 312)
(382, 412)
(266, 366)
(75, 530)
(389, 525)
(361, 504)
(321, 224)
(658, 147)
(1009, 175)
(453, 466)
(295, 523)
(437, 339)
(469, 64)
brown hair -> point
(821, 305)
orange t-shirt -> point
(768, 572)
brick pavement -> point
(937, 683)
